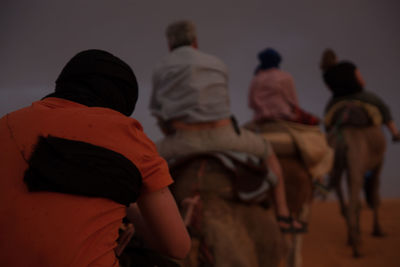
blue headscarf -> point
(269, 58)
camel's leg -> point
(335, 180)
(346, 211)
(355, 179)
(375, 201)
(290, 259)
(342, 204)
(294, 258)
(377, 230)
(226, 236)
(264, 231)
(339, 193)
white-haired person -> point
(190, 101)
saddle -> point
(352, 113)
(291, 139)
(250, 178)
(276, 134)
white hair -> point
(181, 33)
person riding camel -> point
(74, 164)
(345, 81)
(277, 114)
(272, 93)
(190, 100)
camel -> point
(225, 231)
(298, 181)
(299, 195)
(358, 150)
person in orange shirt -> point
(74, 164)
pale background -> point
(38, 37)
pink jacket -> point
(272, 95)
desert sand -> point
(325, 244)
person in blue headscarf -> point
(272, 94)
(273, 98)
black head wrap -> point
(93, 78)
(96, 78)
(269, 58)
(341, 79)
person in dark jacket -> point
(345, 81)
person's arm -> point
(157, 219)
(377, 101)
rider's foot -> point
(289, 225)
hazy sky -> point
(38, 37)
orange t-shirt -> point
(55, 229)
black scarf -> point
(73, 167)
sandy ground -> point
(325, 244)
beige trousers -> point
(223, 138)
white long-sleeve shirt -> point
(190, 86)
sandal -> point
(291, 228)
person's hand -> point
(127, 231)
